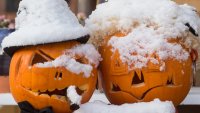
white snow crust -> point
(68, 60)
(155, 106)
(88, 51)
(73, 96)
(149, 25)
(44, 21)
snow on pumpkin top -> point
(149, 25)
(69, 61)
(44, 21)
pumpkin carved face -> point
(122, 85)
(47, 86)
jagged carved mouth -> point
(60, 94)
(139, 81)
(117, 89)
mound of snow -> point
(68, 60)
(73, 96)
(155, 106)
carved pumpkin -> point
(43, 87)
(124, 86)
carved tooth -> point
(63, 98)
(59, 96)
(35, 90)
(61, 88)
(43, 90)
(34, 93)
(51, 90)
(84, 87)
(54, 97)
(45, 95)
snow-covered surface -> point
(69, 63)
(73, 96)
(149, 28)
(155, 106)
(7, 99)
(44, 21)
(98, 96)
(88, 51)
(68, 60)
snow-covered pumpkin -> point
(144, 84)
(45, 85)
(146, 49)
(50, 71)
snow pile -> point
(44, 21)
(145, 48)
(149, 29)
(70, 64)
(68, 60)
(155, 106)
(73, 96)
(99, 96)
(88, 51)
(1, 51)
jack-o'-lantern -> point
(124, 86)
(46, 73)
(47, 86)
(146, 49)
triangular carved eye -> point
(38, 59)
(41, 57)
(137, 79)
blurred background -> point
(81, 8)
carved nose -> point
(137, 78)
(170, 81)
(58, 76)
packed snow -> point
(88, 51)
(73, 96)
(155, 106)
(70, 64)
(149, 29)
(68, 60)
(44, 21)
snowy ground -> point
(100, 104)
(155, 106)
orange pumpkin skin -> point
(26, 79)
(122, 86)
